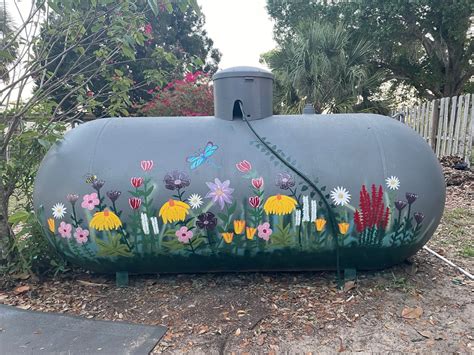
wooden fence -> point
(446, 124)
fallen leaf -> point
(238, 331)
(203, 330)
(412, 313)
(21, 289)
(349, 285)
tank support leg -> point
(350, 274)
(121, 279)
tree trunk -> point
(5, 230)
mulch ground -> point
(422, 305)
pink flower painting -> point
(65, 229)
(184, 234)
(264, 231)
(90, 201)
(146, 165)
(81, 235)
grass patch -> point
(468, 252)
(457, 229)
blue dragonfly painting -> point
(202, 156)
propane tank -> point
(242, 190)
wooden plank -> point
(424, 113)
(447, 105)
(463, 126)
(469, 134)
(417, 118)
(433, 124)
(439, 137)
(457, 126)
(452, 121)
(426, 128)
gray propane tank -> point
(198, 194)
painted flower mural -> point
(176, 180)
(340, 196)
(393, 183)
(264, 231)
(207, 221)
(184, 235)
(292, 217)
(280, 204)
(105, 220)
(90, 201)
(59, 210)
(285, 181)
(81, 235)
(195, 201)
(220, 192)
(174, 211)
(65, 229)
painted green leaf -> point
(112, 247)
(173, 244)
(282, 237)
(232, 208)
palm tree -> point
(325, 66)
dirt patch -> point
(422, 305)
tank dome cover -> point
(238, 72)
(247, 87)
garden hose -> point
(332, 219)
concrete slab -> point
(28, 332)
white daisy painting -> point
(195, 201)
(59, 210)
(340, 196)
(393, 183)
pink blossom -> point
(81, 235)
(90, 201)
(65, 229)
(184, 234)
(254, 201)
(135, 202)
(148, 29)
(136, 182)
(244, 166)
(257, 183)
(146, 165)
(264, 231)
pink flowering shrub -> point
(191, 96)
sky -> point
(240, 29)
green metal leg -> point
(350, 274)
(121, 279)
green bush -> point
(31, 252)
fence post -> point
(434, 124)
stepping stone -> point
(29, 332)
